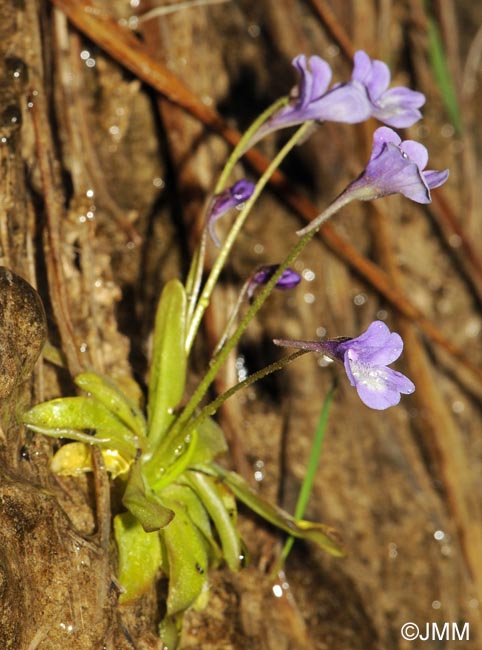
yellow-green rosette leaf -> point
(83, 419)
(144, 504)
(186, 496)
(187, 560)
(211, 442)
(107, 393)
(139, 556)
(325, 537)
(180, 459)
(222, 512)
(168, 366)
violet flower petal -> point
(396, 167)
(346, 103)
(315, 77)
(365, 359)
(416, 152)
(377, 345)
(231, 197)
(397, 106)
(311, 99)
(288, 280)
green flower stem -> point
(242, 145)
(338, 203)
(232, 317)
(233, 233)
(197, 264)
(194, 278)
(212, 407)
(177, 434)
(307, 485)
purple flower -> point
(311, 99)
(396, 167)
(366, 95)
(263, 275)
(366, 359)
(397, 106)
(231, 197)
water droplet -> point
(439, 535)
(11, 116)
(447, 131)
(455, 240)
(68, 627)
(254, 30)
(392, 551)
(473, 603)
(472, 327)
(158, 182)
(258, 471)
(243, 556)
(308, 275)
(83, 347)
(446, 550)
(277, 591)
(458, 406)
(16, 68)
(360, 299)
(258, 249)
(332, 51)
(320, 332)
(179, 449)
(241, 368)
(436, 604)
(309, 298)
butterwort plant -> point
(179, 514)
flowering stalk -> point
(177, 434)
(205, 296)
(243, 143)
(197, 263)
(212, 407)
(288, 280)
